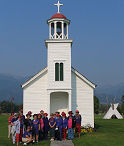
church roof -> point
(58, 15)
(73, 70)
(83, 77)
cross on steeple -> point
(58, 5)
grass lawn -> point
(4, 131)
(109, 133)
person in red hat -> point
(52, 123)
(77, 118)
(59, 127)
(46, 126)
(71, 126)
(9, 125)
(27, 121)
(22, 119)
(35, 128)
(17, 128)
(64, 124)
(40, 117)
(42, 113)
(27, 137)
(14, 119)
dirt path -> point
(62, 143)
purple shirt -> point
(64, 123)
(36, 124)
(78, 119)
(59, 122)
(52, 122)
(27, 133)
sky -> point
(97, 28)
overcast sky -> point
(97, 28)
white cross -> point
(58, 5)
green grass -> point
(4, 131)
(108, 133)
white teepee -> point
(113, 111)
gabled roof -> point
(72, 69)
(34, 77)
(83, 78)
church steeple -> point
(58, 25)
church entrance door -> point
(59, 102)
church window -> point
(59, 29)
(65, 29)
(52, 29)
(57, 72)
(61, 71)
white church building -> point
(59, 87)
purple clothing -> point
(35, 124)
(46, 124)
(59, 122)
(27, 134)
(14, 119)
(52, 122)
(64, 123)
(78, 119)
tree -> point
(96, 105)
(5, 107)
(122, 104)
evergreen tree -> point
(96, 105)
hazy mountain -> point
(11, 87)
(110, 92)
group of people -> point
(36, 128)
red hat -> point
(30, 113)
(39, 114)
(41, 111)
(63, 114)
(45, 114)
(77, 111)
(70, 112)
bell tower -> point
(59, 52)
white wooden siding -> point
(83, 100)
(59, 52)
(35, 95)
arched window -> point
(61, 71)
(52, 29)
(65, 29)
(57, 72)
(59, 28)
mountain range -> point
(11, 87)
